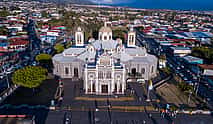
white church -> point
(104, 64)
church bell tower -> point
(131, 38)
(79, 37)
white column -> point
(117, 90)
(91, 83)
(85, 82)
(124, 82)
(118, 86)
(97, 83)
(109, 86)
(113, 79)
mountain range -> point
(68, 1)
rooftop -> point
(192, 58)
(206, 66)
(180, 48)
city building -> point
(180, 51)
(105, 64)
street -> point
(178, 66)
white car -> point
(185, 79)
(10, 69)
(1, 76)
(34, 63)
(8, 72)
(181, 75)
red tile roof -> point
(19, 42)
(2, 54)
(3, 49)
(191, 40)
(206, 66)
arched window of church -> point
(78, 38)
(105, 37)
(100, 75)
(90, 49)
(108, 76)
(93, 87)
(115, 89)
(89, 88)
(132, 38)
(118, 49)
(100, 36)
(143, 71)
(152, 69)
(120, 90)
(66, 70)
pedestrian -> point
(166, 111)
(175, 113)
(163, 113)
(150, 115)
(172, 113)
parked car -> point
(34, 63)
(67, 118)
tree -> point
(68, 45)
(185, 87)
(141, 28)
(4, 13)
(203, 52)
(3, 31)
(119, 33)
(30, 76)
(59, 48)
(167, 70)
(44, 59)
(44, 14)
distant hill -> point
(68, 1)
(60, 1)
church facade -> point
(104, 64)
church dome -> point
(105, 29)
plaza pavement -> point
(89, 115)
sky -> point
(162, 4)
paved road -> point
(177, 65)
(43, 116)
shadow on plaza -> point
(30, 102)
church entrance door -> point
(133, 71)
(104, 88)
(75, 72)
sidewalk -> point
(7, 93)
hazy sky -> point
(162, 4)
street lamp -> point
(150, 87)
(5, 73)
(189, 98)
(197, 84)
